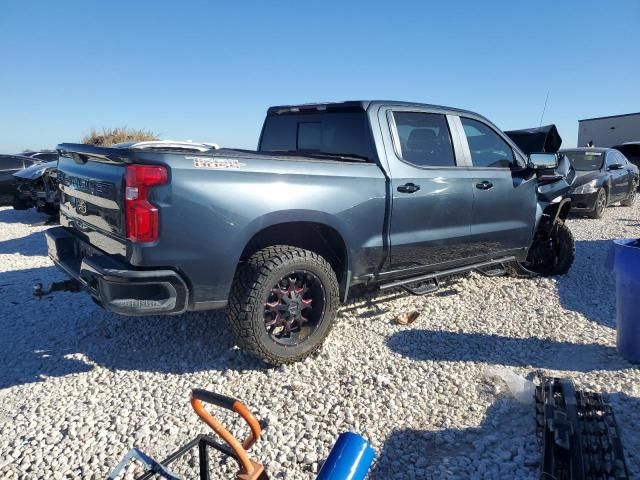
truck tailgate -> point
(93, 181)
(92, 194)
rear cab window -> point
(332, 133)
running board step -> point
(497, 271)
(499, 263)
(424, 289)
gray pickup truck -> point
(338, 195)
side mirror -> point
(543, 161)
(616, 166)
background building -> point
(609, 131)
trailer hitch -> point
(65, 286)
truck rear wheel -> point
(282, 303)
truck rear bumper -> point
(117, 287)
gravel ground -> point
(79, 386)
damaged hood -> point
(537, 140)
(36, 171)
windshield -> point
(585, 161)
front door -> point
(504, 196)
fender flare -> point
(273, 219)
(554, 214)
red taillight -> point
(141, 216)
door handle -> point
(409, 188)
(484, 185)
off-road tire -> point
(565, 249)
(600, 205)
(251, 285)
(630, 200)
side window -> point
(487, 148)
(608, 159)
(619, 158)
(612, 158)
(425, 140)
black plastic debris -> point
(578, 432)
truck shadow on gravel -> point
(33, 244)
(503, 446)
(67, 334)
(26, 217)
(519, 352)
(589, 287)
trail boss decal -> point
(207, 162)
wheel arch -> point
(318, 237)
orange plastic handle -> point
(240, 449)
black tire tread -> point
(564, 266)
(250, 279)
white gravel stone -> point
(79, 386)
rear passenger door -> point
(431, 196)
(504, 194)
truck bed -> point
(214, 203)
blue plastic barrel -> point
(627, 269)
(349, 459)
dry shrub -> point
(110, 136)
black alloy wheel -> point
(294, 307)
(600, 205)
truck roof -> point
(360, 105)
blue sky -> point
(207, 70)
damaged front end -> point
(37, 187)
(553, 249)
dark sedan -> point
(10, 164)
(603, 177)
